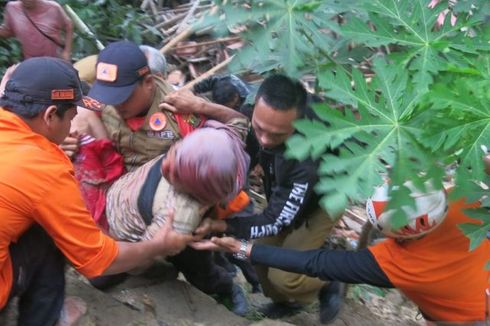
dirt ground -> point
(161, 297)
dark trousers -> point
(39, 278)
(201, 271)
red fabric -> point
(97, 166)
(135, 123)
(185, 126)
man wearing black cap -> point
(43, 216)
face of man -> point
(59, 128)
(139, 101)
(272, 127)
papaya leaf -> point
(286, 34)
(380, 135)
(410, 25)
(475, 232)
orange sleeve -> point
(382, 253)
(237, 204)
(62, 213)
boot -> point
(331, 299)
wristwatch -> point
(242, 253)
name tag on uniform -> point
(164, 134)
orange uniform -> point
(437, 272)
(37, 185)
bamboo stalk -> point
(180, 37)
(184, 10)
(144, 4)
(207, 74)
(153, 8)
(82, 27)
(166, 22)
(184, 23)
(221, 40)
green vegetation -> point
(404, 99)
(413, 97)
(109, 19)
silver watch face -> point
(242, 254)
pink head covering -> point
(211, 164)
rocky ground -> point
(162, 298)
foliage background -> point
(403, 99)
(109, 19)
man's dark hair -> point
(224, 91)
(283, 93)
(29, 110)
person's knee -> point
(286, 283)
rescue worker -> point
(435, 268)
(43, 216)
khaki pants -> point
(283, 286)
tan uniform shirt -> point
(140, 146)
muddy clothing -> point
(29, 167)
(138, 205)
(144, 144)
(49, 17)
(437, 272)
(138, 202)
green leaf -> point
(287, 34)
(475, 232)
(410, 25)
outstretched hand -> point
(226, 244)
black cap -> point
(119, 68)
(47, 80)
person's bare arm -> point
(66, 54)
(86, 122)
(5, 30)
(187, 102)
